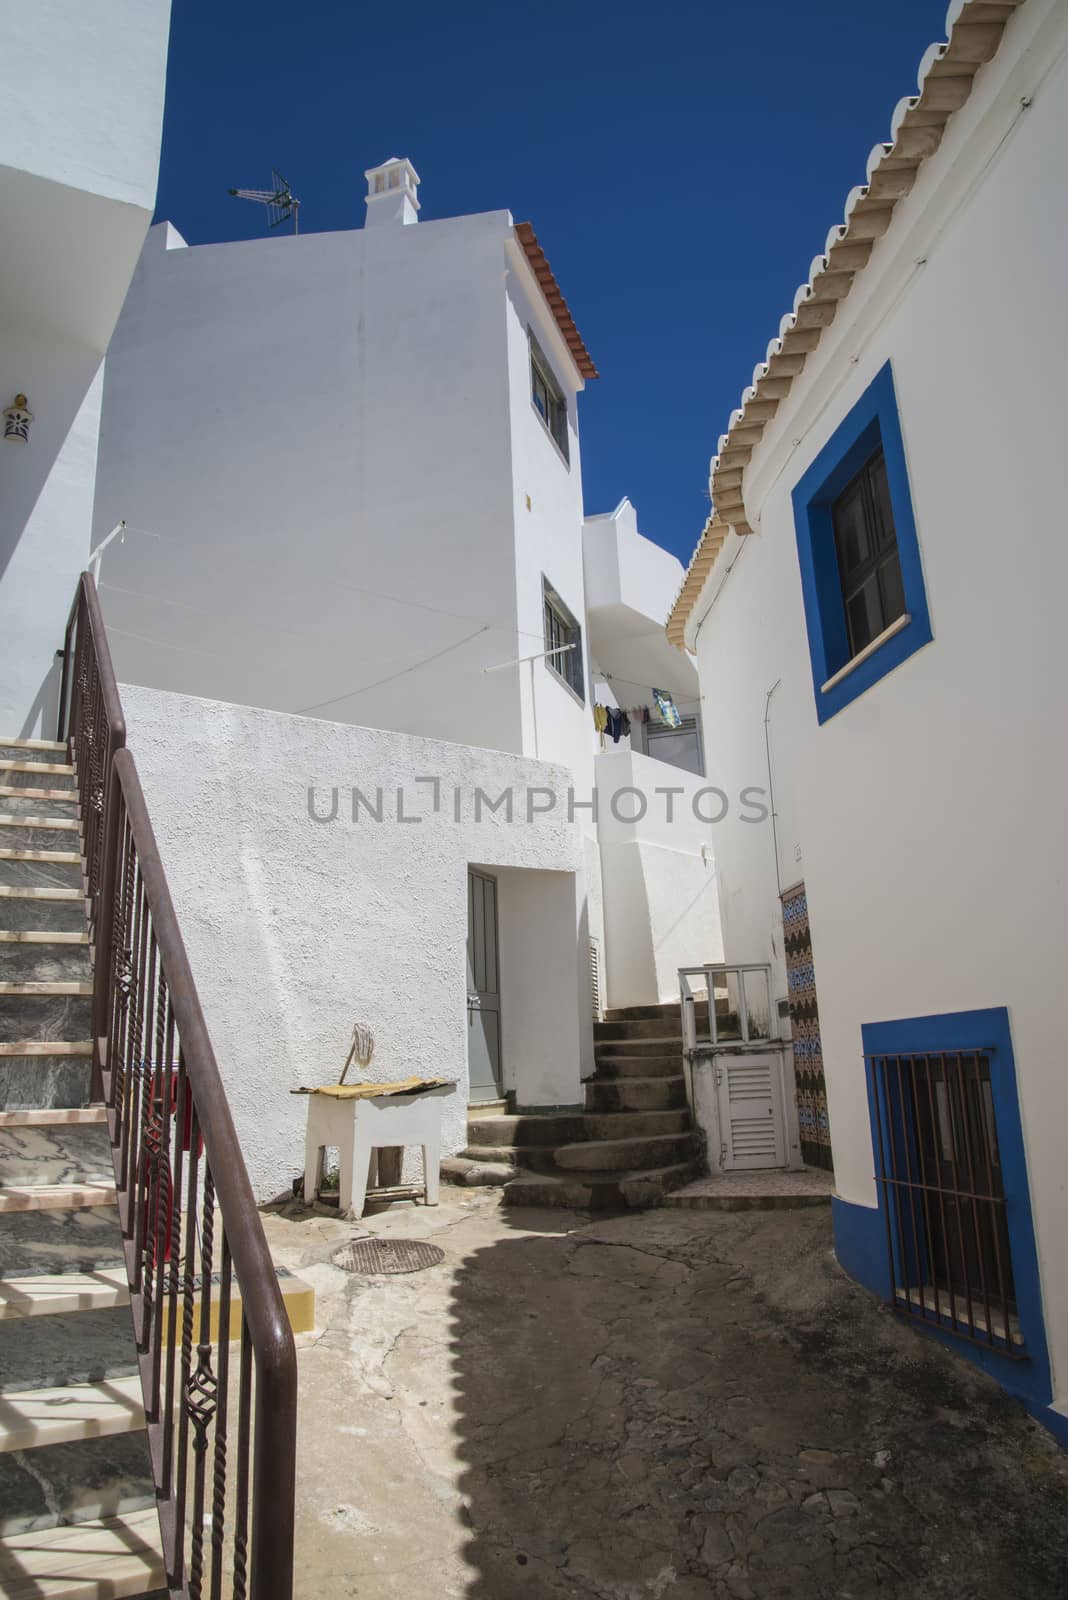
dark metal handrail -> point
(191, 1230)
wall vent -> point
(595, 979)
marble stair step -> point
(15, 763)
(51, 1294)
(40, 891)
(76, 1154)
(45, 986)
(42, 911)
(43, 960)
(44, 1082)
(65, 1412)
(47, 749)
(38, 833)
(71, 1484)
(48, 1018)
(112, 1557)
(59, 1242)
(56, 1196)
(51, 1117)
(23, 801)
(40, 869)
(68, 1349)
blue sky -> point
(681, 162)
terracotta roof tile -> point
(524, 232)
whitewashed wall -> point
(924, 817)
(81, 104)
(297, 928)
(658, 877)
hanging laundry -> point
(600, 720)
(667, 708)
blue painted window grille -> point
(939, 1166)
(861, 573)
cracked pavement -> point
(669, 1405)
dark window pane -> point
(880, 495)
(893, 589)
(864, 614)
(850, 529)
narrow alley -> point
(675, 1405)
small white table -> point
(357, 1126)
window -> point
(869, 568)
(561, 630)
(548, 398)
(952, 1179)
(679, 747)
(861, 574)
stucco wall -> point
(316, 431)
(661, 908)
(297, 928)
(924, 816)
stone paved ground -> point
(669, 1406)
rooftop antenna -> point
(280, 201)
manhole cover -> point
(387, 1255)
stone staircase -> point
(77, 1501)
(634, 1142)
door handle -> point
(474, 1003)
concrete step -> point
(629, 1155)
(95, 1345)
(71, 1483)
(487, 1108)
(533, 1158)
(55, 1243)
(523, 1130)
(665, 1045)
(670, 1011)
(635, 1094)
(36, 1081)
(654, 1027)
(54, 1294)
(48, 1018)
(599, 1191)
(635, 1124)
(77, 1154)
(20, 800)
(665, 1066)
(112, 1557)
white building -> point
(349, 467)
(80, 122)
(875, 608)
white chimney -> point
(392, 193)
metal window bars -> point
(221, 1420)
(939, 1172)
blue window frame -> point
(945, 1112)
(839, 675)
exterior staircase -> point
(77, 1496)
(634, 1142)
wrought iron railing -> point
(221, 1420)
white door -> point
(749, 1091)
(483, 989)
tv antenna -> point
(280, 201)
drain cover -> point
(387, 1255)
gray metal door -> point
(483, 988)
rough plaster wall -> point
(296, 928)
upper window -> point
(861, 575)
(563, 637)
(548, 397)
(869, 567)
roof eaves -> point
(947, 71)
(541, 269)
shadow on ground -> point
(693, 1406)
